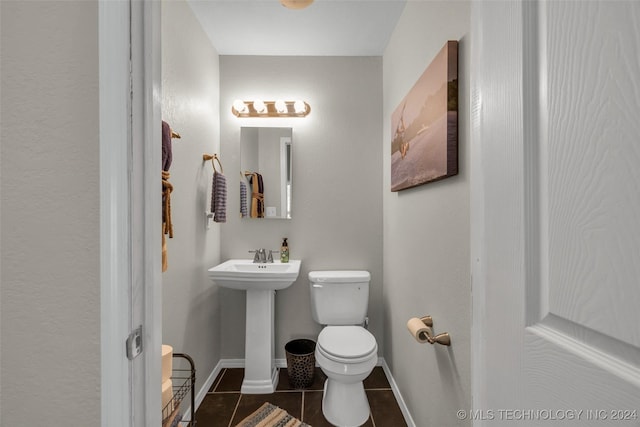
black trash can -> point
(301, 362)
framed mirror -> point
(265, 164)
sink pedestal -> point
(260, 281)
(260, 372)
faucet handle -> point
(256, 257)
(271, 252)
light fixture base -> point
(296, 4)
(248, 109)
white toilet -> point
(346, 352)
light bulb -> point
(240, 106)
(259, 106)
(281, 106)
(299, 107)
(296, 4)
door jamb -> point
(116, 24)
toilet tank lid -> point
(339, 276)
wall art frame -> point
(424, 126)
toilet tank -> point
(339, 297)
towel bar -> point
(213, 157)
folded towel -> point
(257, 196)
(243, 200)
(219, 197)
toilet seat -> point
(347, 344)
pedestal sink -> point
(260, 281)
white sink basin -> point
(260, 281)
(244, 274)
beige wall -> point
(50, 218)
(426, 231)
(190, 104)
(337, 176)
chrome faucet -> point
(261, 257)
(270, 257)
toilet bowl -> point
(347, 355)
(345, 351)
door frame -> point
(486, 138)
(114, 43)
(130, 219)
(477, 207)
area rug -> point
(269, 415)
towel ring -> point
(206, 157)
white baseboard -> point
(282, 363)
(231, 363)
(396, 392)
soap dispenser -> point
(284, 251)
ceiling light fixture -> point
(279, 108)
(296, 4)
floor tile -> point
(313, 411)
(224, 398)
(231, 380)
(377, 379)
(384, 408)
(290, 401)
(215, 382)
(283, 380)
(216, 409)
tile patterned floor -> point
(225, 406)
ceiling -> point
(326, 28)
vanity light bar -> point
(279, 108)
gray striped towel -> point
(219, 197)
(244, 211)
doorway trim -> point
(114, 77)
(130, 219)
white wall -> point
(190, 104)
(337, 176)
(426, 231)
(50, 280)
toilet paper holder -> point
(443, 338)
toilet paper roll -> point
(419, 330)
(167, 362)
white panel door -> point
(556, 213)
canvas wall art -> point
(424, 140)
